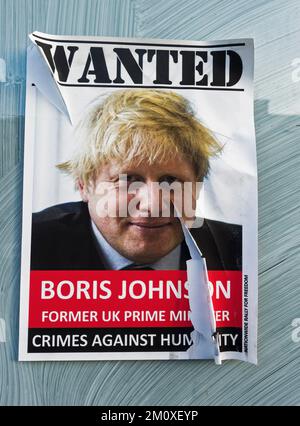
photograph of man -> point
(133, 136)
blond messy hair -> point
(138, 125)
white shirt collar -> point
(115, 261)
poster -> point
(140, 200)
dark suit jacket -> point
(62, 238)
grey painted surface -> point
(275, 26)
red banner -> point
(127, 299)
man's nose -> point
(150, 199)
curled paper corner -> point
(43, 79)
(205, 342)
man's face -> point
(139, 236)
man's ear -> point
(83, 189)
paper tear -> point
(205, 343)
(44, 80)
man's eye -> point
(168, 179)
(130, 179)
